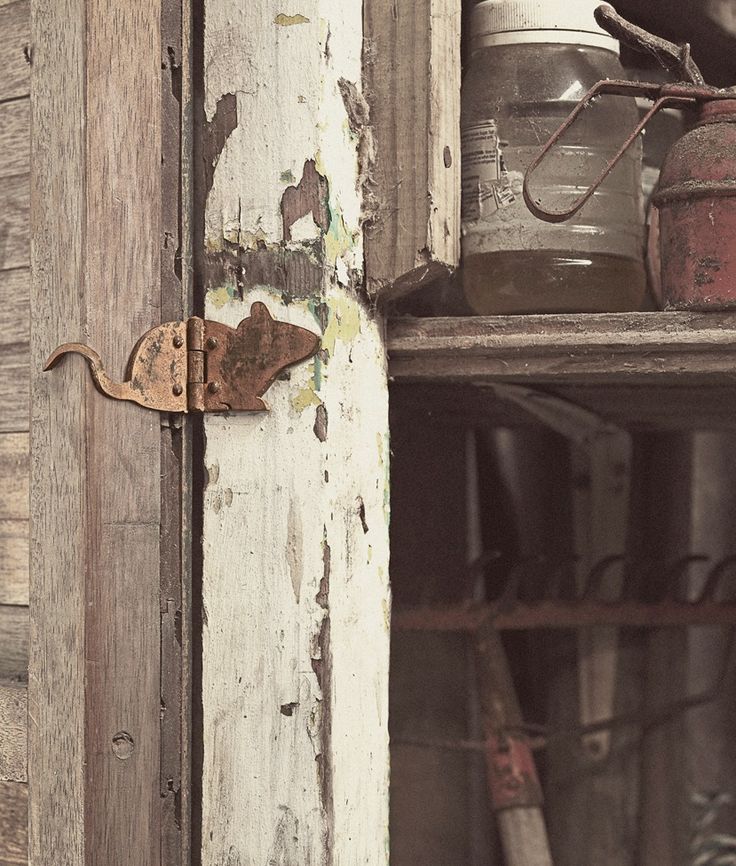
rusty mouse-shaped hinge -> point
(202, 366)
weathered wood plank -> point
(14, 476)
(56, 699)
(411, 163)
(13, 824)
(610, 348)
(13, 643)
(14, 301)
(122, 778)
(123, 442)
(14, 350)
(95, 684)
(14, 50)
(15, 137)
(14, 727)
(14, 388)
(295, 576)
(14, 216)
(14, 559)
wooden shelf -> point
(616, 347)
(640, 370)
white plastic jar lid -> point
(513, 22)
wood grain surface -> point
(14, 476)
(14, 386)
(15, 136)
(14, 221)
(13, 830)
(14, 559)
(600, 348)
(15, 50)
(13, 642)
(412, 74)
(14, 424)
(95, 686)
(13, 724)
(295, 575)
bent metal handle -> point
(661, 94)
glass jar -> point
(531, 62)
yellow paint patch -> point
(305, 398)
(218, 297)
(338, 239)
(289, 20)
(343, 323)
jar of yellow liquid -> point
(531, 62)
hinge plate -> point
(199, 365)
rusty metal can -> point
(696, 199)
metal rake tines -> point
(546, 592)
(692, 579)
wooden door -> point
(108, 706)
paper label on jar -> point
(486, 186)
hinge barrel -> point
(195, 364)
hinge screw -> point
(213, 387)
(211, 343)
(178, 390)
(178, 343)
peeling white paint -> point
(304, 229)
(295, 645)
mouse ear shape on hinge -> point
(259, 312)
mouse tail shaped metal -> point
(103, 383)
(202, 366)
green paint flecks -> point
(288, 176)
(317, 378)
(337, 240)
(290, 20)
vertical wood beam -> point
(412, 68)
(295, 583)
(56, 710)
(95, 677)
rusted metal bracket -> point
(202, 366)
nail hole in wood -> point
(122, 745)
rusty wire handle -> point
(662, 94)
(674, 58)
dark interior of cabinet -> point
(663, 792)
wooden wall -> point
(14, 378)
